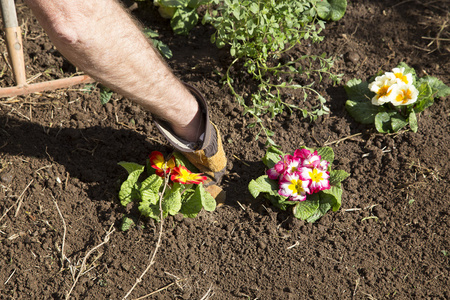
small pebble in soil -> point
(262, 244)
(6, 177)
(352, 56)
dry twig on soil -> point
(18, 202)
(63, 253)
(83, 264)
(161, 289)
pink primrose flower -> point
(318, 179)
(280, 167)
(294, 165)
(309, 160)
(323, 165)
(294, 187)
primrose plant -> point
(393, 99)
(169, 185)
(303, 181)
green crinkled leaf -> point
(332, 196)
(337, 8)
(149, 196)
(412, 120)
(331, 9)
(359, 105)
(358, 90)
(149, 210)
(272, 156)
(191, 204)
(208, 202)
(126, 223)
(383, 121)
(262, 184)
(150, 188)
(129, 189)
(362, 111)
(439, 89)
(337, 176)
(398, 122)
(279, 201)
(105, 95)
(130, 166)
(153, 182)
(172, 200)
(425, 98)
(326, 153)
(323, 10)
(184, 20)
(320, 212)
(305, 209)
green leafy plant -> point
(162, 48)
(332, 10)
(183, 190)
(182, 13)
(260, 34)
(105, 94)
(303, 181)
(392, 100)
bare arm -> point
(100, 38)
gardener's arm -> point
(100, 38)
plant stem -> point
(158, 243)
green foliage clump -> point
(186, 199)
(259, 35)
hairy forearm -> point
(102, 40)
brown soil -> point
(389, 240)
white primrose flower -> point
(404, 94)
(382, 87)
(400, 76)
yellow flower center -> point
(315, 175)
(296, 187)
(401, 77)
(184, 175)
(383, 91)
(404, 96)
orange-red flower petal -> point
(182, 175)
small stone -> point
(6, 177)
(352, 56)
(262, 245)
(109, 108)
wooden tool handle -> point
(14, 41)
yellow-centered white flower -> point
(403, 94)
(399, 74)
(382, 87)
